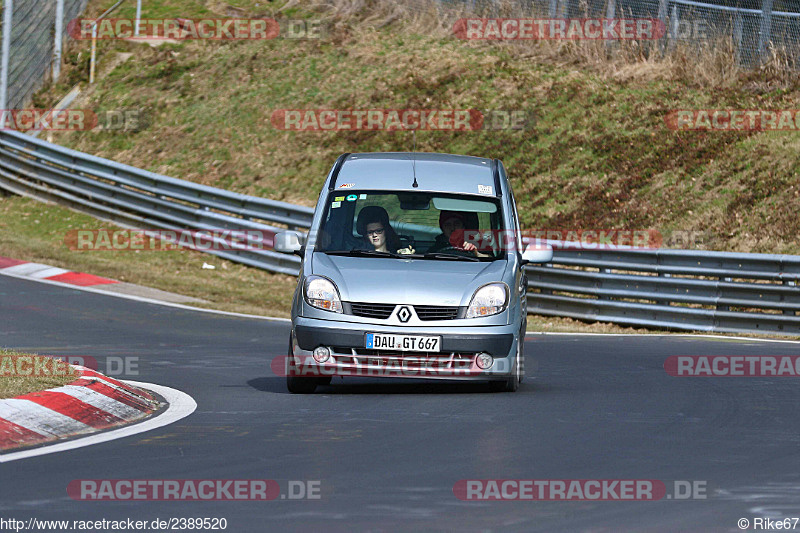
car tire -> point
(512, 383)
(296, 384)
(521, 356)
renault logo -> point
(404, 314)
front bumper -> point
(455, 360)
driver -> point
(453, 224)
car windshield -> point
(411, 224)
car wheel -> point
(296, 384)
(512, 383)
(521, 356)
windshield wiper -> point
(362, 253)
(440, 255)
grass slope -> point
(599, 154)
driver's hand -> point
(468, 246)
(406, 251)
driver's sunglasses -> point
(375, 232)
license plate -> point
(403, 343)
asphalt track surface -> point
(388, 453)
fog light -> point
(321, 354)
(484, 361)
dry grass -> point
(711, 63)
(21, 373)
(34, 231)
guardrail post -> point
(611, 9)
(737, 36)
(790, 283)
(138, 17)
(93, 58)
(663, 9)
(674, 22)
(58, 39)
(764, 35)
(724, 307)
(8, 13)
(611, 12)
(544, 291)
(599, 284)
(663, 275)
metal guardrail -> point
(664, 288)
(680, 289)
(136, 198)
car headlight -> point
(488, 300)
(322, 294)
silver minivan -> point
(413, 267)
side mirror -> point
(537, 253)
(288, 242)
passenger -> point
(453, 224)
(373, 225)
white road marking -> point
(25, 269)
(530, 334)
(48, 272)
(141, 298)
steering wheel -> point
(461, 251)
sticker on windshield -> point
(484, 189)
(362, 196)
(352, 197)
(334, 205)
(339, 199)
(347, 185)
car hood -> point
(406, 281)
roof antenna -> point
(414, 159)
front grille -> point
(361, 356)
(384, 311)
(370, 310)
(436, 312)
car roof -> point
(434, 172)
